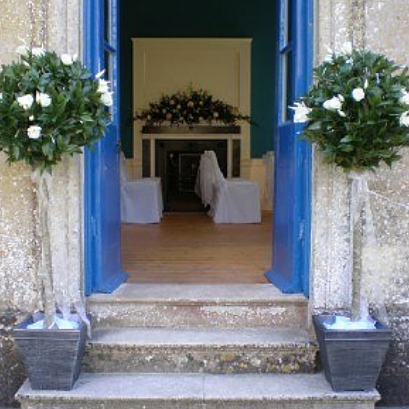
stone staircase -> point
(207, 347)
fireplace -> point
(175, 158)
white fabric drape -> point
(141, 200)
(230, 200)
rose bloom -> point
(358, 94)
(26, 101)
(333, 104)
(23, 50)
(43, 99)
(404, 119)
(103, 86)
(301, 112)
(347, 48)
(405, 97)
(67, 59)
(38, 52)
(107, 99)
(34, 132)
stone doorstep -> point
(211, 351)
(188, 306)
(153, 391)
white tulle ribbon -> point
(363, 234)
(59, 270)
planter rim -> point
(22, 330)
(320, 319)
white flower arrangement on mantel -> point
(190, 107)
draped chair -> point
(141, 199)
(233, 200)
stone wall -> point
(55, 25)
(382, 25)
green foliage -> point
(70, 116)
(190, 107)
(365, 132)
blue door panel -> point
(102, 192)
(291, 246)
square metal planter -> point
(352, 360)
(52, 357)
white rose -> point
(34, 132)
(107, 99)
(103, 86)
(366, 85)
(333, 104)
(43, 99)
(404, 119)
(23, 50)
(1, 96)
(347, 48)
(329, 58)
(358, 94)
(67, 59)
(38, 52)
(31, 118)
(26, 101)
(301, 112)
(405, 97)
(341, 98)
(342, 114)
(100, 74)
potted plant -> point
(50, 108)
(357, 115)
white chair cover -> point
(231, 200)
(141, 200)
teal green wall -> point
(207, 18)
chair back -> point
(218, 176)
(123, 169)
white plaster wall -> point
(55, 24)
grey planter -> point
(52, 357)
(352, 360)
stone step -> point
(190, 306)
(197, 391)
(200, 350)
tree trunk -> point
(45, 276)
(358, 189)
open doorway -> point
(227, 49)
(293, 62)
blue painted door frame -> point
(292, 187)
(103, 270)
(291, 249)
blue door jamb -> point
(94, 49)
(303, 21)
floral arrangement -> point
(50, 106)
(190, 107)
(357, 112)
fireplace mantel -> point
(194, 130)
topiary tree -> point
(50, 107)
(357, 115)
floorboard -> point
(190, 248)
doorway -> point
(293, 161)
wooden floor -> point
(190, 248)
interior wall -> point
(212, 19)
